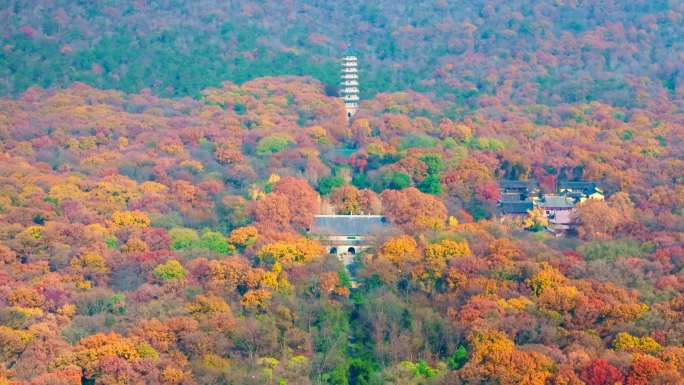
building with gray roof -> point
(348, 224)
(347, 235)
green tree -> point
(431, 184)
(273, 143)
(458, 359)
(170, 270)
(360, 371)
(183, 238)
(329, 183)
(393, 180)
(216, 242)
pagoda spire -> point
(349, 86)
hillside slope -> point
(546, 52)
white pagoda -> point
(349, 86)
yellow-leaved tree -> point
(494, 358)
(296, 251)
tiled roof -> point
(348, 224)
(511, 197)
(507, 184)
(556, 201)
(520, 207)
(586, 186)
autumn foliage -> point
(149, 239)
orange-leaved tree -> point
(413, 210)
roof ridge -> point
(349, 215)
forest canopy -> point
(546, 52)
(162, 165)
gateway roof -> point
(348, 224)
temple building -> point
(558, 209)
(519, 197)
(348, 235)
(581, 190)
(349, 86)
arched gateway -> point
(347, 235)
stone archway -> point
(333, 250)
(351, 250)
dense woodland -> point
(157, 185)
(527, 51)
